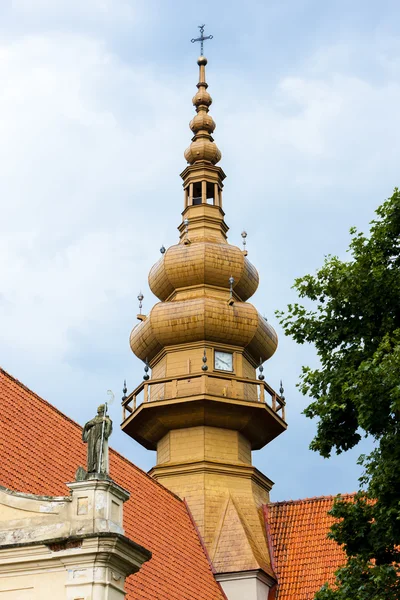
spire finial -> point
(202, 147)
(202, 38)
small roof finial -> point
(202, 38)
(244, 236)
(205, 366)
(281, 390)
(261, 369)
(146, 375)
(124, 390)
(140, 298)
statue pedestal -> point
(97, 505)
(73, 546)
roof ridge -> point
(251, 537)
(64, 416)
(311, 499)
(200, 537)
(25, 387)
(146, 474)
(269, 539)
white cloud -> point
(312, 156)
(112, 11)
(76, 162)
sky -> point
(95, 100)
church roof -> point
(303, 558)
(40, 449)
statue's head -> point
(101, 409)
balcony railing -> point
(199, 384)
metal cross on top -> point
(202, 38)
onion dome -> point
(203, 147)
(204, 318)
(203, 263)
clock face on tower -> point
(223, 361)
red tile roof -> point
(303, 557)
(40, 449)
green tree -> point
(353, 319)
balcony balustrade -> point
(203, 384)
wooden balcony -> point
(158, 405)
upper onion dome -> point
(202, 97)
(203, 263)
(203, 147)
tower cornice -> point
(215, 467)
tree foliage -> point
(354, 324)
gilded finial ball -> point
(202, 61)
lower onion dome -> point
(205, 318)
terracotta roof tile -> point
(40, 449)
(303, 557)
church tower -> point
(204, 409)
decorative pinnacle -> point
(202, 38)
(140, 298)
(205, 366)
(124, 390)
(261, 369)
(244, 236)
(186, 224)
(231, 282)
(146, 375)
(281, 390)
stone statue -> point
(96, 433)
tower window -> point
(210, 193)
(197, 193)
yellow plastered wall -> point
(208, 494)
(210, 467)
(203, 443)
(249, 391)
(184, 362)
(157, 392)
(189, 487)
(244, 450)
(163, 449)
